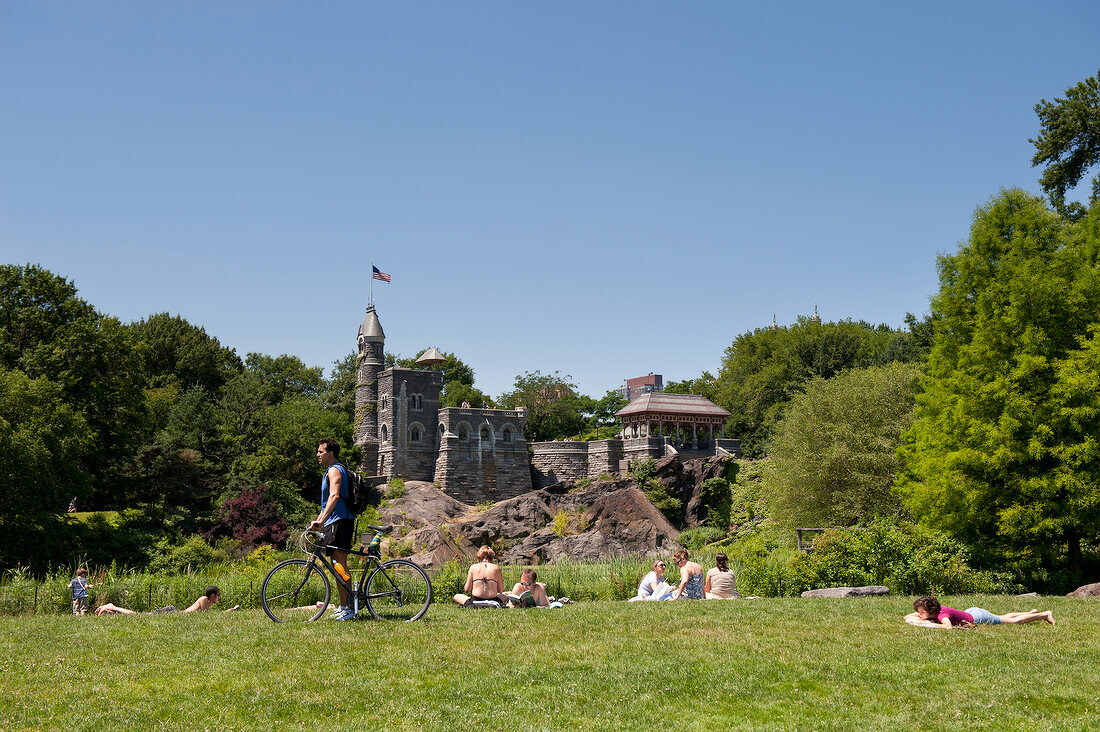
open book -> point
(526, 599)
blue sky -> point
(603, 189)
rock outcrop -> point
(600, 519)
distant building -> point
(636, 387)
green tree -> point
(702, 385)
(1069, 143)
(176, 352)
(763, 369)
(46, 330)
(554, 408)
(983, 456)
(43, 442)
(834, 455)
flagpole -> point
(370, 301)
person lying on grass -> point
(204, 603)
(929, 610)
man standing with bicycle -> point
(335, 520)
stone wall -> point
(482, 454)
(408, 406)
(553, 462)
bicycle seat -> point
(380, 529)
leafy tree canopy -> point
(1068, 144)
(176, 352)
(763, 369)
(1003, 416)
(554, 408)
(834, 454)
(454, 369)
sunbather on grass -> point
(929, 610)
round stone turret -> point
(371, 341)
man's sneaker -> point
(340, 612)
(349, 615)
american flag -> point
(379, 274)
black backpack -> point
(358, 492)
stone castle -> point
(472, 454)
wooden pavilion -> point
(650, 415)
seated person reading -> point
(528, 592)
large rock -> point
(1092, 590)
(511, 519)
(422, 505)
(867, 591)
(603, 518)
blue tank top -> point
(341, 511)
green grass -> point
(788, 664)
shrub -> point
(395, 489)
(251, 518)
(717, 500)
(194, 554)
(668, 505)
(643, 470)
(700, 537)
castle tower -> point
(815, 318)
(371, 346)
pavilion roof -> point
(691, 405)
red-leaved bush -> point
(252, 519)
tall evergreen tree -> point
(1012, 306)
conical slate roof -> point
(371, 329)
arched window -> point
(382, 406)
(485, 434)
(464, 433)
(507, 434)
(385, 433)
(414, 434)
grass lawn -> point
(753, 664)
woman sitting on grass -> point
(653, 585)
(929, 610)
(204, 603)
(691, 577)
(484, 581)
(720, 583)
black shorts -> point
(339, 534)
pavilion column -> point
(694, 437)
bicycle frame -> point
(356, 591)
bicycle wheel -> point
(296, 589)
(398, 590)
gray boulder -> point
(1092, 590)
(867, 591)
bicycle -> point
(299, 589)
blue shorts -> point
(983, 616)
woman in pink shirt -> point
(929, 609)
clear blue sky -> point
(599, 188)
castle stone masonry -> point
(480, 455)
